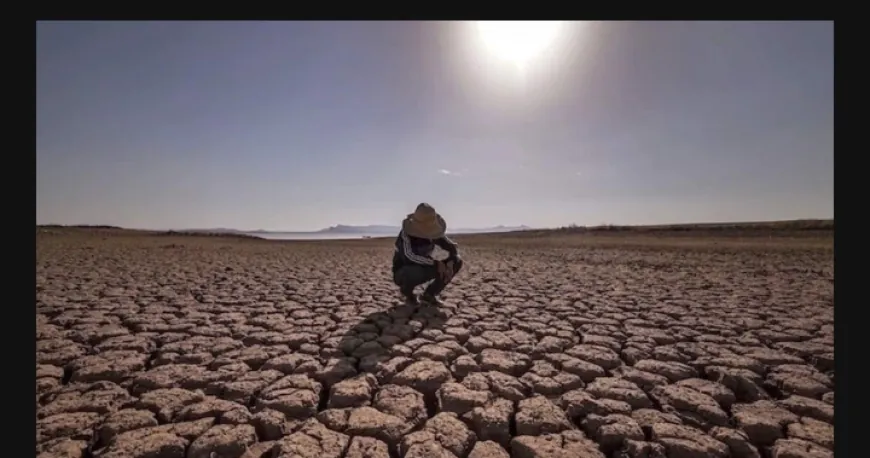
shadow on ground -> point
(382, 335)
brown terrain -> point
(679, 342)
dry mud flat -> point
(183, 347)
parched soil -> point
(200, 347)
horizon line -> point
(694, 223)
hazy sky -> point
(304, 125)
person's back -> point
(415, 257)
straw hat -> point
(424, 223)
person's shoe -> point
(429, 299)
(410, 298)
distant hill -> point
(380, 229)
(372, 229)
(499, 228)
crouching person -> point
(416, 260)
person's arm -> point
(404, 245)
(449, 246)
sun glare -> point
(517, 42)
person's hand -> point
(442, 267)
(447, 271)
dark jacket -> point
(413, 250)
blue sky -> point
(302, 125)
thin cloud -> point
(452, 173)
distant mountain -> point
(372, 229)
(499, 228)
(216, 230)
(380, 229)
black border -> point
(23, 428)
(848, 402)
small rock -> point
(620, 390)
(648, 417)
(614, 430)
(644, 380)
(492, 422)
(224, 411)
(600, 356)
(828, 398)
(261, 450)
(78, 425)
(245, 387)
(809, 407)
(717, 391)
(429, 449)
(553, 446)
(745, 384)
(800, 380)
(335, 370)
(354, 392)
(685, 399)
(367, 447)
(762, 421)
(585, 370)
(500, 384)
(272, 425)
(685, 441)
(313, 440)
(507, 362)
(537, 416)
(812, 430)
(455, 397)
(424, 376)
(123, 421)
(737, 362)
(797, 448)
(579, 403)
(100, 397)
(63, 448)
(674, 371)
(370, 422)
(641, 449)
(163, 445)
(451, 433)
(488, 449)
(737, 442)
(297, 396)
(167, 402)
(230, 441)
(464, 365)
(293, 363)
(402, 402)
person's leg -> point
(435, 288)
(408, 277)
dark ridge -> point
(77, 226)
(788, 225)
(431, 403)
(67, 375)
(324, 399)
(759, 228)
(149, 363)
(210, 234)
(512, 423)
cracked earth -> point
(172, 347)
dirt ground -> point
(562, 347)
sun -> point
(518, 42)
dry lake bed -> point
(688, 345)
